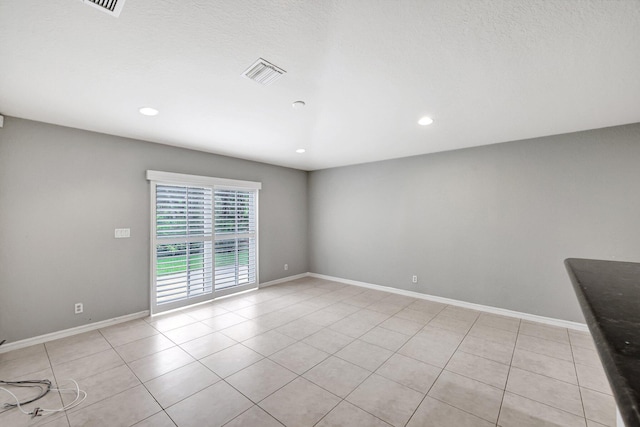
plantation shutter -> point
(204, 238)
(184, 243)
(235, 237)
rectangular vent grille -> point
(263, 72)
(112, 7)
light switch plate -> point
(122, 233)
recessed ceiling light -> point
(298, 105)
(425, 121)
(148, 111)
(300, 150)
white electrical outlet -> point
(286, 266)
(414, 279)
(122, 233)
(79, 308)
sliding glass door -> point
(204, 242)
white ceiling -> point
(486, 71)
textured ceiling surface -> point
(487, 71)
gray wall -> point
(63, 192)
(490, 225)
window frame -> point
(178, 179)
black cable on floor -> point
(28, 383)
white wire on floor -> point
(40, 411)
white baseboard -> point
(284, 279)
(4, 348)
(71, 331)
(486, 308)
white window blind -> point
(204, 238)
(235, 238)
(183, 243)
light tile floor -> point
(317, 353)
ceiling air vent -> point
(112, 7)
(263, 72)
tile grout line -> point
(334, 355)
(66, 414)
(163, 409)
(584, 412)
(134, 374)
(543, 403)
(115, 394)
(195, 360)
(168, 372)
(247, 410)
(441, 371)
(341, 399)
(284, 367)
(292, 299)
(111, 346)
(504, 392)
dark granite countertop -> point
(609, 295)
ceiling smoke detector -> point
(263, 72)
(112, 7)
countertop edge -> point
(627, 405)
